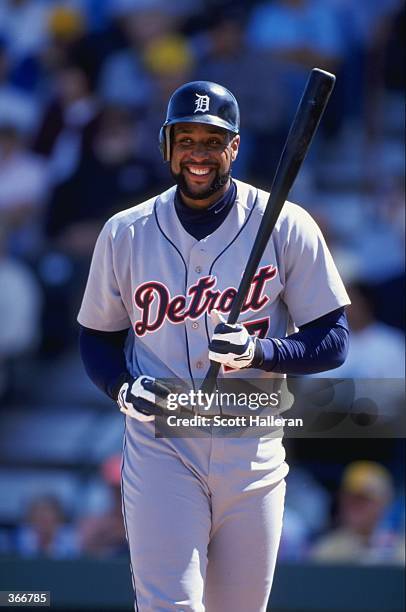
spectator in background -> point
(66, 28)
(45, 531)
(95, 11)
(71, 36)
(306, 514)
(376, 350)
(16, 105)
(294, 538)
(68, 123)
(181, 9)
(365, 26)
(375, 364)
(389, 292)
(301, 33)
(124, 78)
(24, 183)
(154, 47)
(71, 39)
(104, 535)
(267, 110)
(20, 310)
(23, 22)
(170, 62)
(366, 493)
(110, 176)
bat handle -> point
(209, 382)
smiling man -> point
(204, 514)
(201, 162)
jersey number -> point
(254, 328)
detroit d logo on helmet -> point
(202, 103)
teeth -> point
(199, 171)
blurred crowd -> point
(84, 86)
(83, 92)
(363, 522)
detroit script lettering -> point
(201, 297)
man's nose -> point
(199, 150)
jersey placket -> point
(198, 269)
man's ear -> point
(235, 143)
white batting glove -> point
(231, 345)
(142, 398)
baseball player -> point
(203, 515)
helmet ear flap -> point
(165, 142)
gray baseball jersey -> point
(195, 507)
(149, 274)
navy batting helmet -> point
(199, 102)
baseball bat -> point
(307, 118)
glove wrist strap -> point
(114, 389)
(258, 359)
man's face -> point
(201, 159)
(361, 512)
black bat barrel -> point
(307, 118)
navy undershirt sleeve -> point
(104, 358)
(318, 346)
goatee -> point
(217, 183)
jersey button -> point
(198, 269)
(195, 325)
(199, 365)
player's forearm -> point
(104, 359)
(313, 349)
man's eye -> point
(213, 143)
